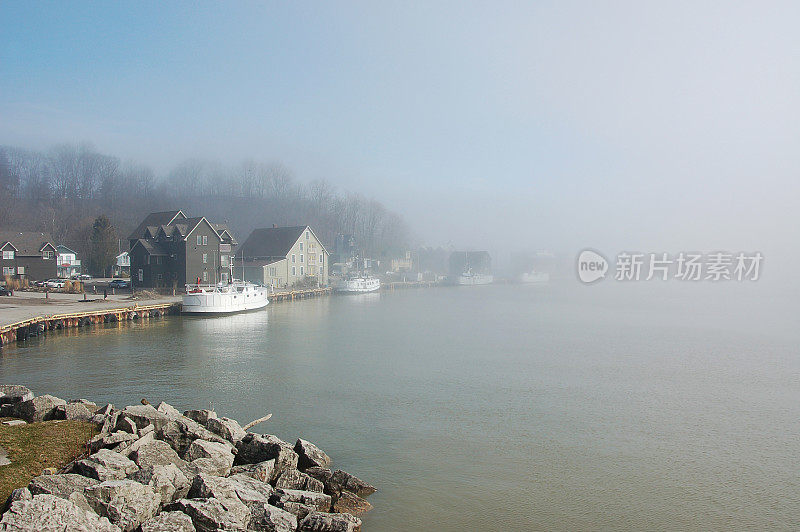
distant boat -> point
(534, 277)
(358, 284)
(224, 298)
(470, 278)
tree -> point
(103, 246)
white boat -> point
(357, 285)
(224, 298)
(471, 278)
(534, 277)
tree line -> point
(63, 190)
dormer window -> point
(8, 255)
(47, 254)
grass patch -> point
(36, 446)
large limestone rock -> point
(72, 411)
(349, 503)
(210, 514)
(154, 452)
(181, 432)
(168, 410)
(168, 481)
(231, 491)
(312, 499)
(143, 415)
(48, 513)
(201, 416)
(227, 428)
(295, 480)
(60, 485)
(271, 519)
(327, 522)
(14, 393)
(39, 408)
(105, 465)
(211, 456)
(169, 522)
(255, 448)
(124, 502)
(263, 471)
(310, 455)
(337, 481)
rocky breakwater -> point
(154, 468)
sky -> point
(652, 126)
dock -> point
(291, 295)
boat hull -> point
(358, 286)
(224, 302)
(473, 280)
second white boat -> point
(224, 298)
(357, 285)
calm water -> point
(560, 407)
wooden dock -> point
(291, 295)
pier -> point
(291, 295)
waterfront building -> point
(27, 255)
(68, 264)
(122, 265)
(169, 249)
(283, 257)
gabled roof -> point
(155, 219)
(152, 248)
(26, 243)
(61, 248)
(222, 230)
(273, 241)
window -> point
(205, 276)
(301, 246)
(141, 275)
(272, 271)
(205, 240)
(159, 259)
(199, 240)
(159, 276)
(320, 258)
(293, 271)
(301, 257)
(20, 270)
(301, 270)
(47, 254)
(223, 260)
(293, 261)
(306, 235)
(8, 270)
(205, 258)
(8, 255)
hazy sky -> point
(621, 125)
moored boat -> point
(224, 298)
(359, 284)
(469, 278)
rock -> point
(109, 423)
(349, 503)
(341, 480)
(37, 409)
(310, 455)
(229, 491)
(219, 454)
(168, 409)
(154, 452)
(314, 499)
(181, 432)
(79, 499)
(19, 494)
(126, 424)
(112, 440)
(327, 522)
(104, 410)
(210, 514)
(167, 481)
(14, 422)
(227, 428)
(272, 519)
(48, 513)
(169, 522)
(126, 503)
(149, 429)
(200, 416)
(295, 480)
(105, 465)
(60, 485)
(143, 415)
(72, 411)
(255, 448)
(138, 444)
(90, 406)
(14, 393)
(263, 471)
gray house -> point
(27, 255)
(282, 257)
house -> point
(122, 265)
(282, 257)
(405, 264)
(27, 255)
(169, 250)
(67, 263)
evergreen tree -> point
(103, 246)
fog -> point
(500, 126)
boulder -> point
(14, 393)
(341, 480)
(153, 452)
(230, 491)
(124, 502)
(227, 428)
(109, 423)
(349, 503)
(181, 432)
(48, 513)
(14, 422)
(327, 522)
(210, 514)
(168, 410)
(138, 444)
(104, 410)
(90, 406)
(126, 424)
(169, 522)
(39, 408)
(200, 416)
(72, 411)
(295, 480)
(105, 465)
(143, 415)
(168, 481)
(314, 499)
(310, 455)
(263, 471)
(271, 519)
(60, 485)
(218, 456)
(19, 494)
(255, 448)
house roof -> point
(263, 262)
(26, 243)
(61, 248)
(152, 248)
(155, 219)
(271, 241)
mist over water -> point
(646, 406)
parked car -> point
(4, 291)
(118, 283)
(85, 277)
(40, 283)
(55, 283)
